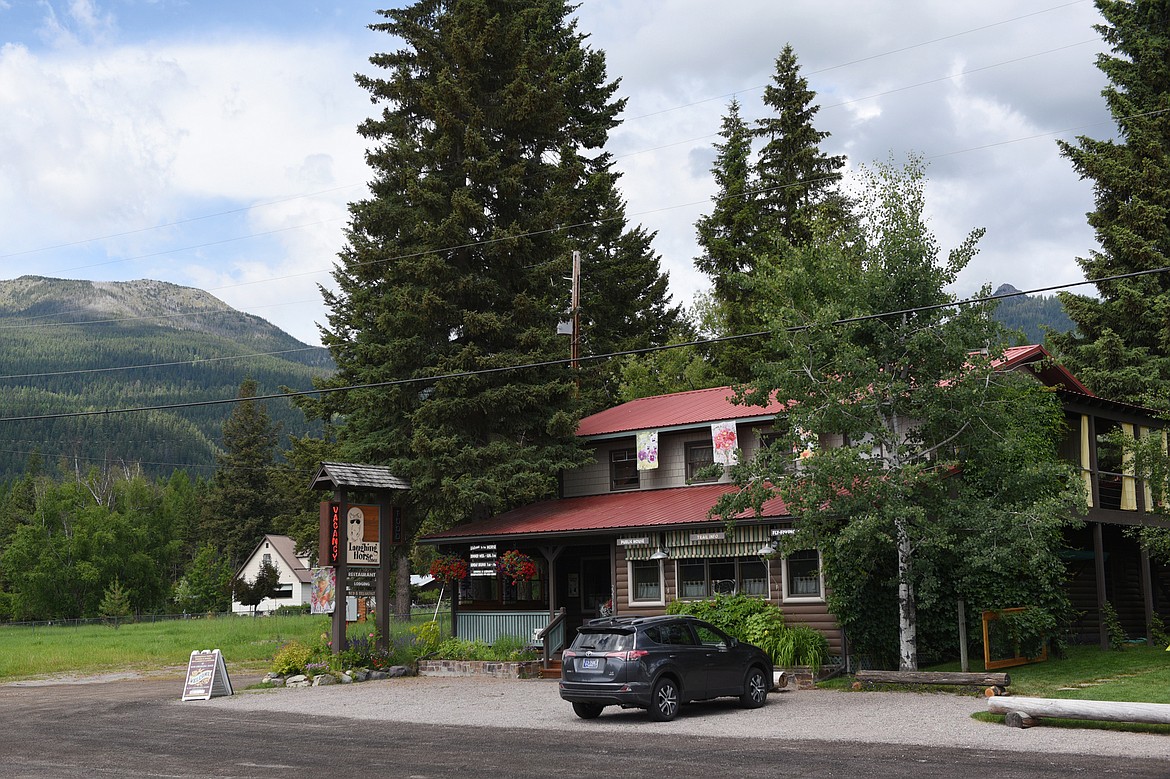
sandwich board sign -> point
(207, 676)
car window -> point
(604, 642)
(708, 636)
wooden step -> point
(553, 671)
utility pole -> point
(575, 303)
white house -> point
(295, 574)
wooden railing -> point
(552, 637)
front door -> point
(596, 589)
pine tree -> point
(797, 181)
(488, 173)
(115, 605)
(731, 237)
(1121, 347)
(240, 502)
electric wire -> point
(568, 360)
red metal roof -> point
(631, 510)
(679, 408)
(1050, 373)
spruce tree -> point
(240, 502)
(1121, 347)
(488, 172)
(731, 237)
(797, 181)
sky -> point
(213, 143)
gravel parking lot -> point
(935, 719)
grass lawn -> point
(1137, 673)
(246, 643)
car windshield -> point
(604, 642)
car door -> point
(686, 657)
(725, 668)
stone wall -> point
(515, 670)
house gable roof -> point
(1036, 360)
(678, 409)
(612, 511)
(286, 550)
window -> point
(802, 577)
(700, 457)
(283, 590)
(704, 578)
(623, 469)
(645, 581)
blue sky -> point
(213, 144)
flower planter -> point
(800, 677)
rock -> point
(345, 679)
(374, 675)
(396, 671)
(322, 680)
(300, 680)
(359, 674)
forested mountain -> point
(1031, 314)
(68, 346)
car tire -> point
(587, 710)
(664, 700)
(755, 690)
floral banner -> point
(323, 591)
(647, 450)
(724, 444)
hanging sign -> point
(207, 676)
(361, 532)
(483, 560)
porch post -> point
(341, 569)
(1148, 596)
(1099, 561)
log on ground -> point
(1068, 708)
(935, 677)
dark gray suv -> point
(659, 663)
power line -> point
(569, 360)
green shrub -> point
(727, 612)
(291, 659)
(505, 649)
(426, 637)
(288, 610)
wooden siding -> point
(593, 479)
(812, 614)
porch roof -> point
(612, 511)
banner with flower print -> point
(647, 442)
(724, 443)
(323, 590)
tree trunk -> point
(907, 611)
(402, 587)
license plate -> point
(589, 663)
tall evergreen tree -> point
(240, 502)
(1121, 347)
(731, 237)
(797, 181)
(488, 172)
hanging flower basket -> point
(449, 568)
(517, 567)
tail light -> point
(633, 654)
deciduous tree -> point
(890, 401)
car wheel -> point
(664, 701)
(755, 690)
(587, 710)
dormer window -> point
(700, 459)
(623, 469)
